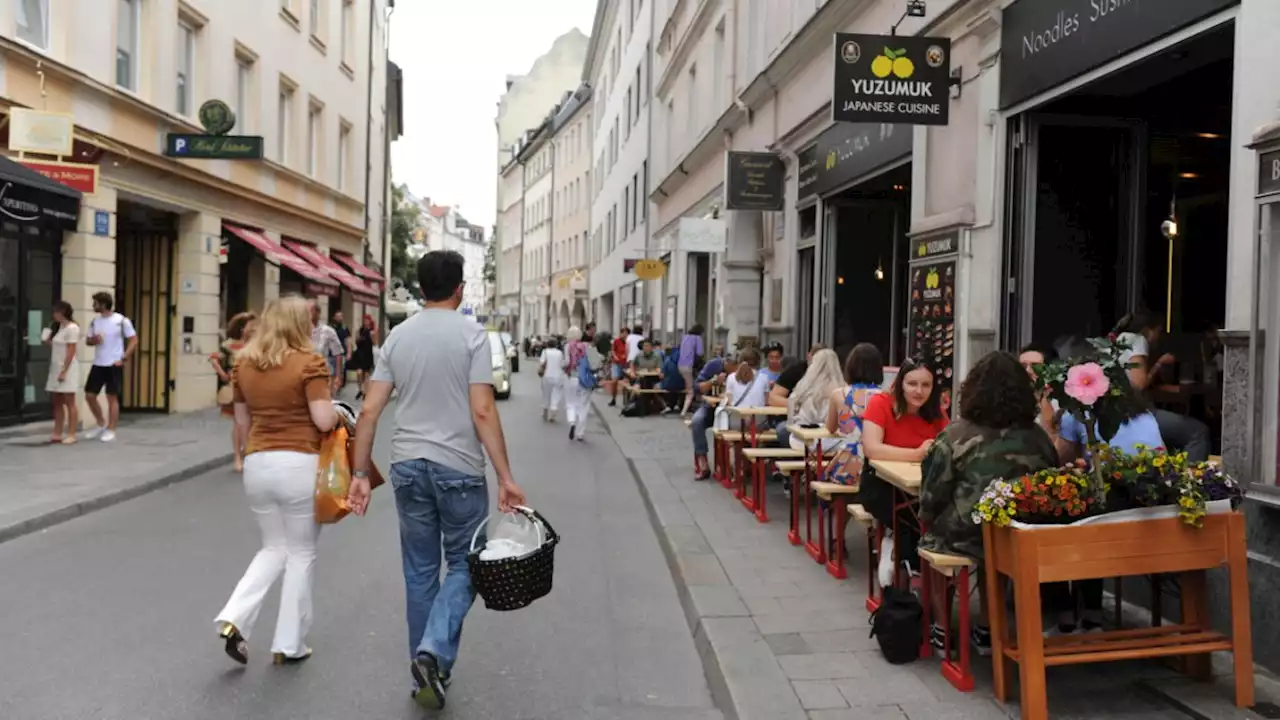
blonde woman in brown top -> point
(282, 406)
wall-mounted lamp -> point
(840, 280)
(879, 269)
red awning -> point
(362, 291)
(273, 253)
(358, 268)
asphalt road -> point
(110, 616)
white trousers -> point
(280, 486)
(552, 393)
(577, 405)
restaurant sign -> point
(937, 246)
(891, 79)
(1044, 43)
(808, 177)
(754, 181)
(849, 151)
(1268, 173)
(218, 120)
(78, 176)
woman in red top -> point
(902, 423)
(618, 357)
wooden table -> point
(905, 478)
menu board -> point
(933, 325)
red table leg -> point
(835, 568)
(761, 499)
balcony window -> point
(33, 22)
(185, 90)
(128, 27)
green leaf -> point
(902, 51)
(888, 53)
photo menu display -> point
(933, 326)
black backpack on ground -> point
(896, 626)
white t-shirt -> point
(633, 346)
(553, 360)
(113, 330)
(755, 391)
(1137, 346)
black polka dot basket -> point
(513, 583)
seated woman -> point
(995, 437)
(811, 402)
(898, 425)
(1142, 331)
(747, 387)
(864, 373)
(1070, 438)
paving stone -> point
(883, 690)
(701, 570)
(819, 695)
(824, 666)
(811, 622)
(981, 709)
(756, 684)
(887, 712)
(717, 601)
(788, 644)
(840, 640)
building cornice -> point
(685, 44)
(605, 9)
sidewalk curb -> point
(721, 697)
(84, 507)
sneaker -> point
(426, 673)
(571, 432)
(937, 638)
(1090, 626)
(884, 570)
(108, 436)
(93, 433)
(981, 640)
(613, 402)
(1060, 630)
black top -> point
(790, 377)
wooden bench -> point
(954, 571)
(757, 501)
(790, 467)
(725, 442)
(832, 521)
(868, 523)
(861, 516)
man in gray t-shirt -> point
(440, 363)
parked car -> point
(501, 366)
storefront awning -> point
(358, 268)
(273, 253)
(360, 290)
(29, 198)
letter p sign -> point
(179, 146)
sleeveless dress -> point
(846, 466)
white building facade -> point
(618, 70)
(571, 128)
(509, 240)
(536, 159)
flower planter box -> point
(1159, 512)
(1126, 545)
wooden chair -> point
(954, 570)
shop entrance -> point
(145, 243)
(1099, 179)
(30, 282)
(869, 223)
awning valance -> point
(358, 268)
(29, 198)
(360, 290)
(278, 255)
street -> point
(109, 616)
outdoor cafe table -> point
(905, 479)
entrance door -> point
(1073, 226)
(29, 282)
(144, 289)
(827, 274)
(804, 298)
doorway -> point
(145, 243)
(30, 282)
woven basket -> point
(513, 583)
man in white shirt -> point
(114, 342)
(325, 341)
(633, 343)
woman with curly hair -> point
(995, 437)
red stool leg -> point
(761, 499)
(835, 566)
(793, 534)
(960, 674)
(873, 553)
(926, 596)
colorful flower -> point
(1087, 382)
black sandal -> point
(234, 643)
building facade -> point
(536, 158)
(523, 106)
(185, 243)
(509, 240)
(618, 69)
(571, 210)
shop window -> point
(128, 28)
(808, 222)
(33, 22)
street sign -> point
(891, 79)
(101, 223)
(214, 147)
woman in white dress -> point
(64, 373)
(551, 368)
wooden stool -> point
(756, 501)
(833, 522)
(795, 470)
(864, 518)
(954, 571)
(724, 439)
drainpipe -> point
(522, 321)
(368, 148)
(648, 73)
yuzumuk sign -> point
(891, 79)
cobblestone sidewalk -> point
(782, 639)
(42, 484)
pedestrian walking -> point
(440, 364)
(325, 340)
(362, 357)
(338, 321)
(239, 331)
(551, 370)
(114, 341)
(64, 372)
(691, 351)
(577, 394)
(282, 405)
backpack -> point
(586, 377)
(896, 626)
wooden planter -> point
(1142, 547)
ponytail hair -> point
(747, 368)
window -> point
(635, 193)
(644, 178)
(626, 129)
(626, 208)
(348, 33)
(313, 140)
(185, 90)
(315, 17)
(639, 94)
(284, 117)
(244, 91)
(33, 22)
(128, 27)
(692, 100)
(717, 69)
(344, 155)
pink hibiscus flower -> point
(1087, 382)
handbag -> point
(226, 395)
(721, 421)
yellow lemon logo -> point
(931, 280)
(831, 159)
(922, 250)
(893, 62)
(649, 269)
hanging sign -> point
(578, 281)
(41, 132)
(649, 269)
(218, 120)
(928, 248)
(891, 79)
(754, 181)
(79, 176)
(1268, 172)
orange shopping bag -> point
(333, 478)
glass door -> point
(804, 299)
(11, 370)
(29, 268)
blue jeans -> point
(439, 509)
(702, 420)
